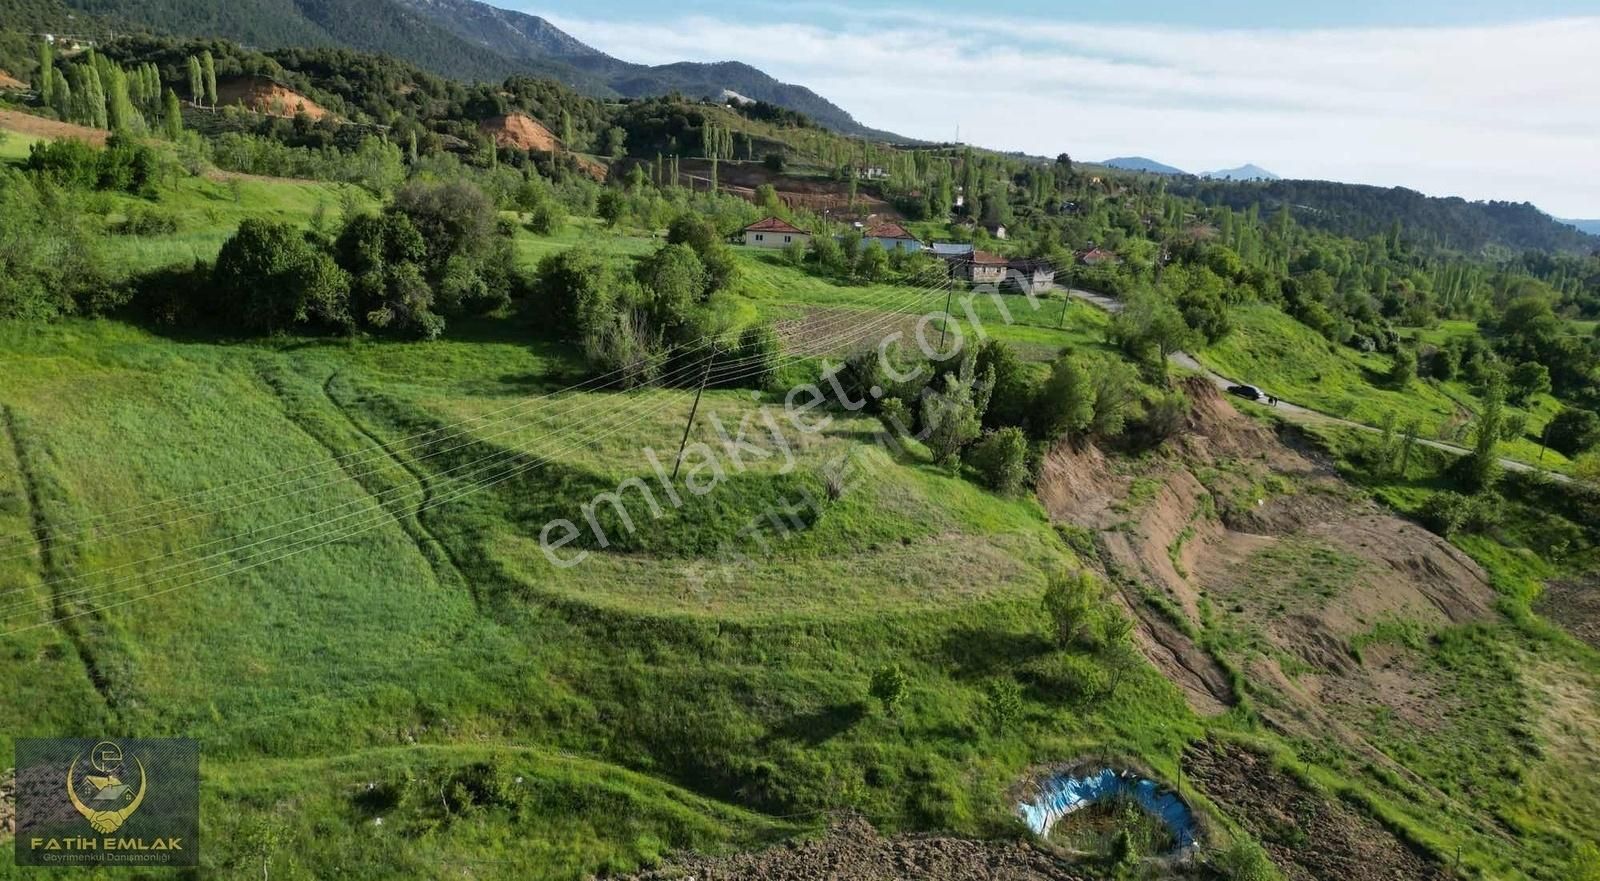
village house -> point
(975, 267)
(1097, 256)
(998, 230)
(774, 232)
(1031, 276)
(892, 236)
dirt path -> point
(1293, 412)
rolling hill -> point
(1361, 210)
(462, 39)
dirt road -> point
(1290, 411)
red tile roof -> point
(775, 224)
(888, 231)
(986, 257)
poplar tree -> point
(196, 81)
(60, 94)
(210, 68)
(173, 117)
(44, 79)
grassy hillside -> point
(1288, 359)
(622, 661)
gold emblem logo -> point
(112, 801)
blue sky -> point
(1471, 98)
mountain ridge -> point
(464, 39)
(468, 40)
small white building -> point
(775, 232)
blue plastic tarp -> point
(1064, 793)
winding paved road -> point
(1292, 412)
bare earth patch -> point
(522, 132)
(1310, 837)
(7, 81)
(854, 851)
(1574, 605)
(50, 129)
(262, 95)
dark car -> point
(1248, 392)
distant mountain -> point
(1592, 227)
(1140, 163)
(462, 39)
(1248, 171)
(529, 38)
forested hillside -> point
(1360, 211)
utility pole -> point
(684, 444)
(1065, 300)
(944, 326)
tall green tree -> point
(60, 94)
(44, 77)
(209, 66)
(1065, 403)
(172, 116)
(197, 81)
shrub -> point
(1404, 368)
(1001, 460)
(147, 222)
(1526, 380)
(1574, 431)
(546, 218)
(1244, 860)
(576, 289)
(271, 279)
(1447, 513)
(1002, 704)
(756, 358)
(1074, 677)
(625, 347)
(889, 687)
(1072, 600)
(1164, 416)
(1064, 405)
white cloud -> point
(1505, 112)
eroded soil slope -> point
(1244, 559)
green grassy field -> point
(622, 663)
